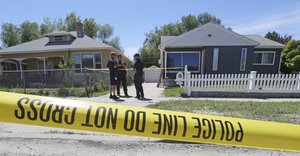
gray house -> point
(212, 49)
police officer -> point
(122, 73)
(138, 76)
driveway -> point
(33, 140)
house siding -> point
(105, 56)
(229, 60)
(269, 69)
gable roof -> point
(209, 34)
(43, 45)
(265, 42)
(166, 38)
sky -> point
(131, 19)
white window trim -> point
(215, 64)
(270, 64)
(94, 61)
(245, 63)
(176, 71)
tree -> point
(29, 31)
(47, 26)
(189, 22)
(115, 42)
(296, 63)
(10, 34)
(90, 27)
(105, 35)
(150, 55)
(278, 38)
(290, 57)
(207, 17)
(60, 25)
(105, 32)
(150, 51)
(71, 21)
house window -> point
(215, 59)
(98, 61)
(7, 66)
(180, 59)
(264, 58)
(243, 59)
(58, 38)
(40, 64)
(86, 60)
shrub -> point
(296, 63)
(40, 91)
(63, 92)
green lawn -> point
(288, 112)
(55, 92)
(173, 92)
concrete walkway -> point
(152, 95)
(155, 95)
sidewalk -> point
(155, 95)
(152, 95)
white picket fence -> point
(253, 82)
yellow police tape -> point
(171, 125)
(106, 69)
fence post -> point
(298, 86)
(185, 80)
(189, 91)
(252, 80)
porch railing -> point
(253, 82)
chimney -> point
(79, 29)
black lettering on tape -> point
(34, 111)
(222, 129)
(239, 134)
(138, 128)
(229, 136)
(175, 125)
(87, 118)
(184, 125)
(214, 131)
(101, 115)
(71, 121)
(208, 132)
(57, 114)
(158, 123)
(168, 124)
(42, 111)
(22, 110)
(129, 114)
(112, 117)
(198, 127)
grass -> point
(55, 92)
(173, 92)
(287, 112)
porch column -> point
(44, 59)
(202, 61)
(165, 63)
(21, 70)
(0, 67)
